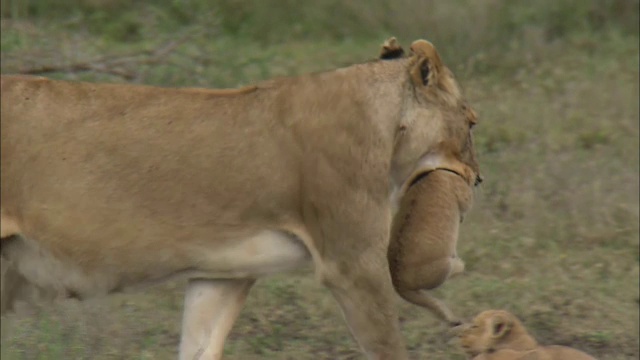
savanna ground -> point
(553, 236)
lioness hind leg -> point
(14, 286)
(210, 310)
(8, 226)
(10, 283)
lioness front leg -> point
(422, 250)
(210, 309)
(353, 265)
(366, 297)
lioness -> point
(499, 335)
(105, 187)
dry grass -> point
(553, 237)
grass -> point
(553, 236)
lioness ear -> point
(428, 65)
(391, 50)
(500, 325)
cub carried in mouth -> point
(422, 251)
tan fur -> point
(499, 335)
(105, 187)
(422, 250)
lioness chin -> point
(106, 187)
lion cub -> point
(499, 335)
(422, 249)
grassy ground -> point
(554, 233)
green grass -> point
(554, 233)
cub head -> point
(437, 122)
(391, 49)
(490, 330)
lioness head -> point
(492, 330)
(437, 97)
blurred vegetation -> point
(553, 236)
(475, 31)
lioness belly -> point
(264, 253)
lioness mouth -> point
(421, 176)
(478, 180)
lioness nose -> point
(479, 179)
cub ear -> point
(391, 50)
(428, 65)
(500, 324)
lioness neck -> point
(375, 88)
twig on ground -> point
(113, 64)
